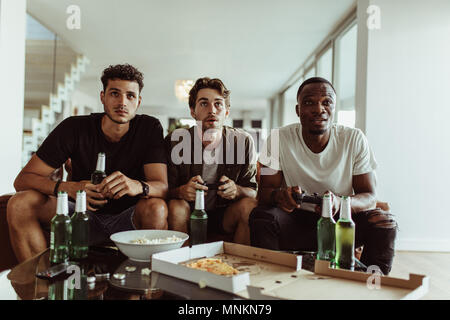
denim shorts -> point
(102, 225)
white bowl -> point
(141, 251)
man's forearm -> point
(158, 189)
(265, 196)
(363, 202)
(243, 192)
(32, 181)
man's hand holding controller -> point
(284, 198)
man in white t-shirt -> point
(317, 156)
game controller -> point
(304, 197)
(213, 186)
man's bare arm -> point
(156, 178)
(36, 176)
(268, 183)
(117, 184)
(365, 198)
(282, 197)
(243, 192)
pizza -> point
(213, 265)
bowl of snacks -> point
(139, 245)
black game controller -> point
(304, 197)
(213, 186)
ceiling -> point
(254, 46)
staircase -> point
(50, 80)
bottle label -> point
(326, 206)
(101, 162)
(346, 209)
(80, 205)
(199, 200)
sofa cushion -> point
(7, 257)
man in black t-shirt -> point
(133, 192)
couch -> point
(7, 257)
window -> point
(310, 73)
(257, 124)
(334, 60)
(345, 76)
(238, 123)
(325, 65)
(289, 103)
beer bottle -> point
(58, 290)
(199, 220)
(60, 231)
(326, 231)
(99, 174)
(345, 237)
(80, 229)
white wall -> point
(86, 101)
(404, 107)
(12, 66)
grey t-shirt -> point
(209, 175)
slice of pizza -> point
(213, 265)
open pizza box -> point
(272, 275)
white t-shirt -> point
(346, 154)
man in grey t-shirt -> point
(212, 153)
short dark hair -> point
(313, 80)
(207, 83)
(122, 72)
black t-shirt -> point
(81, 139)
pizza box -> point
(256, 265)
(333, 284)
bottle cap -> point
(80, 205)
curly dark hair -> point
(122, 72)
(207, 83)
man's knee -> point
(264, 227)
(178, 209)
(152, 213)
(381, 219)
(238, 213)
(20, 206)
(244, 207)
(379, 248)
(262, 213)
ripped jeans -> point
(275, 229)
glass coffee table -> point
(107, 274)
(93, 278)
(108, 265)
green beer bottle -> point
(326, 231)
(345, 237)
(80, 229)
(199, 220)
(58, 290)
(60, 231)
(99, 174)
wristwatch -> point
(145, 189)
